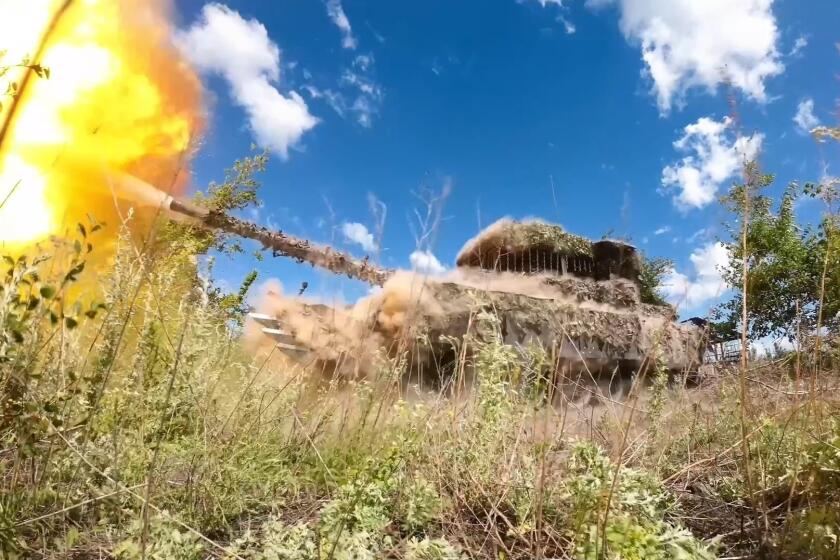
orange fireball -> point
(119, 98)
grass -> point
(141, 428)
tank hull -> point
(580, 324)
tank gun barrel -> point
(283, 244)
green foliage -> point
(239, 189)
(11, 87)
(419, 505)
(431, 549)
(164, 541)
(798, 466)
(234, 304)
(238, 192)
(280, 542)
(35, 306)
(651, 275)
(786, 262)
(353, 524)
(631, 522)
(658, 390)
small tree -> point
(786, 261)
(652, 274)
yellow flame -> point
(119, 99)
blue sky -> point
(616, 103)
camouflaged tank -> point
(577, 300)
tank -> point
(530, 284)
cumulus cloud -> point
(426, 262)
(713, 157)
(663, 229)
(222, 42)
(704, 285)
(336, 13)
(357, 233)
(689, 43)
(805, 119)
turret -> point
(538, 247)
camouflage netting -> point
(508, 238)
(598, 327)
(600, 336)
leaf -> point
(47, 291)
(74, 272)
(70, 323)
(82, 229)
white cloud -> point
(334, 99)
(223, 42)
(357, 233)
(805, 119)
(426, 262)
(706, 283)
(363, 62)
(800, 43)
(702, 233)
(362, 83)
(663, 229)
(357, 94)
(690, 43)
(339, 18)
(713, 158)
(368, 95)
(568, 25)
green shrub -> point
(626, 519)
(431, 549)
(165, 541)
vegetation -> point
(651, 276)
(140, 427)
(794, 269)
(520, 237)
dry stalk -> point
(144, 533)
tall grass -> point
(139, 427)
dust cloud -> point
(351, 338)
